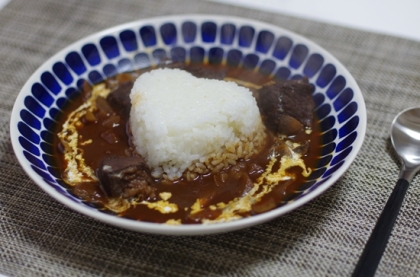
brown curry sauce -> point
(115, 141)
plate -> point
(339, 102)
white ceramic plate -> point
(244, 42)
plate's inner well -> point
(238, 188)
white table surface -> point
(3, 3)
(394, 17)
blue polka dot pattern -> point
(318, 99)
(324, 161)
(197, 54)
(49, 124)
(326, 75)
(75, 62)
(341, 156)
(53, 112)
(227, 34)
(313, 65)
(30, 120)
(283, 46)
(189, 31)
(347, 142)
(61, 71)
(298, 56)
(159, 55)
(327, 123)
(216, 55)
(125, 65)
(168, 33)
(47, 136)
(234, 57)
(270, 51)
(50, 160)
(72, 93)
(264, 41)
(33, 106)
(246, 35)
(28, 133)
(329, 136)
(110, 70)
(327, 149)
(283, 73)
(349, 127)
(208, 32)
(46, 176)
(343, 99)
(267, 67)
(28, 146)
(323, 111)
(250, 61)
(336, 87)
(148, 36)
(142, 60)
(129, 40)
(33, 160)
(42, 95)
(95, 77)
(91, 54)
(110, 47)
(348, 111)
(47, 148)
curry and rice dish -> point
(182, 144)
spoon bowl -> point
(405, 138)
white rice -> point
(187, 125)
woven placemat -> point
(41, 237)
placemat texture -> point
(41, 237)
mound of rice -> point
(187, 125)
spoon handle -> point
(374, 248)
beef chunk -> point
(125, 177)
(292, 98)
(289, 125)
(119, 99)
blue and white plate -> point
(216, 39)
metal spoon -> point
(405, 138)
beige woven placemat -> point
(41, 237)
